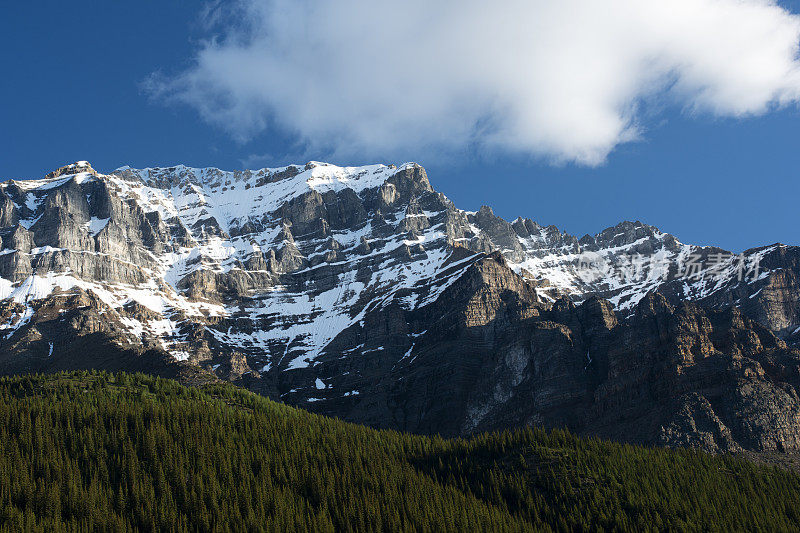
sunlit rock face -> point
(364, 293)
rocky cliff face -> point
(363, 293)
(490, 354)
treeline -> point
(126, 452)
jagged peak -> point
(78, 170)
(73, 168)
(627, 232)
(316, 175)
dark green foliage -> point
(123, 452)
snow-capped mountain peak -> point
(276, 263)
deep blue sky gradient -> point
(71, 90)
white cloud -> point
(565, 79)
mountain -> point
(362, 293)
(140, 453)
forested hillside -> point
(127, 452)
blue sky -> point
(76, 88)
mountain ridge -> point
(332, 287)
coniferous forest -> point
(127, 452)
